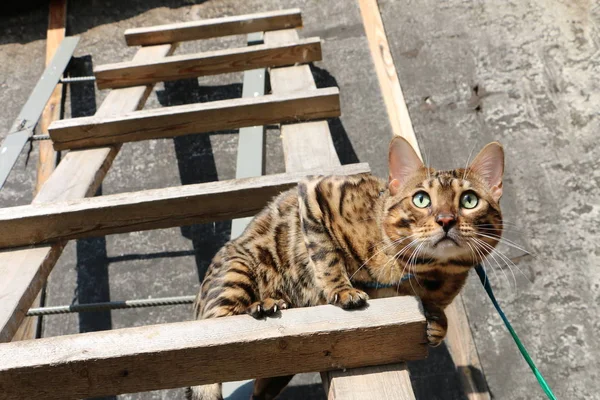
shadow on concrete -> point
(87, 14)
(17, 18)
(92, 261)
(341, 142)
(196, 162)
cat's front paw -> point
(348, 298)
(267, 307)
(437, 325)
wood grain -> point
(308, 146)
(195, 118)
(134, 73)
(386, 73)
(47, 158)
(369, 383)
(459, 337)
(212, 350)
(79, 174)
(149, 209)
(214, 27)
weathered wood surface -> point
(214, 27)
(307, 146)
(369, 383)
(195, 118)
(47, 158)
(79, 174)
(149, 209)
(459, 337)
(133, 73)
(212, 350)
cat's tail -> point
(204, 392)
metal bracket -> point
(22, 128)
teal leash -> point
(486, 284)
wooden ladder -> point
(378, 339)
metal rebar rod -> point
(111, 305)
(35, 138)
(78, 79)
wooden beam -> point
(134, 73)
(57, 19)
(459, 337)
(56, 33)
(308, 146)
(215, 27)
(195, 118)
(212, 350)
(386, 73)
(368, 383)
(149, 209)
(79, 174)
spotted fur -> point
(334, 239)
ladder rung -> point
(194, 118)
(185, 66)
(213, 350)
(214, 27)
(149, 209)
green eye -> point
(469, 200)
(421, 200)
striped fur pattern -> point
(333, 239)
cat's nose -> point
(446, 221)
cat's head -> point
(443, 215)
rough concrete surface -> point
(524, 73)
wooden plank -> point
(216, 62)
(212, 350)
(214, 27)
(386, 73)
(369, 383)
(79, 174)
(459, 337)
(149, 209)
(309, 145)
(57, 19)
(195, 118)
(56, 33)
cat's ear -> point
(489, 164)
(403, 162)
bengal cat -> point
(344, 239)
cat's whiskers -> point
(414, 265)
(483, 259)
(503, 240)
(506, 259)
(393, 243)
(493, 255)
(467, 163)
(487, 247)
(427, 164)
(396, 256)
(408, 264)
(383, 268)
(472, 253)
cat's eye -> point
(421, 200)
(469, 200)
